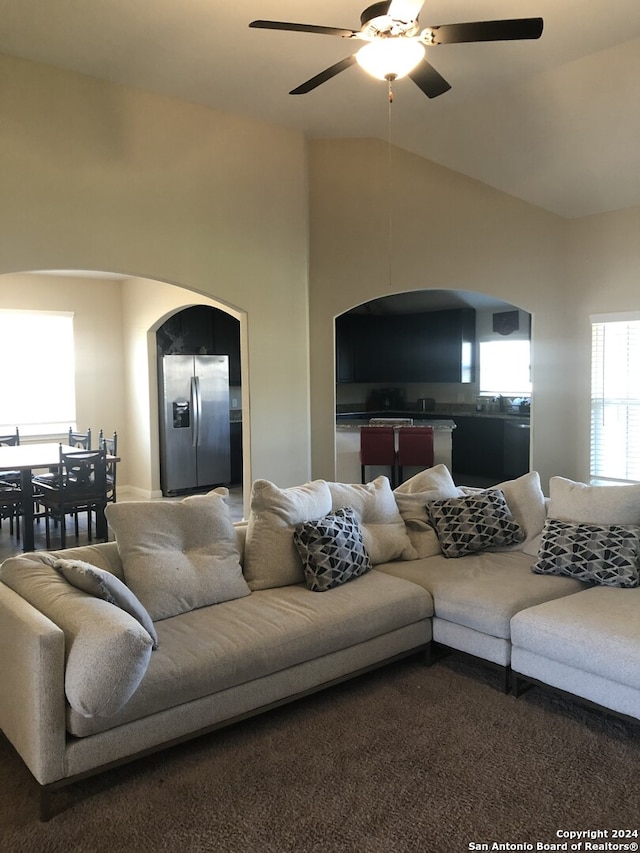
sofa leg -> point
(520, 686)
(506, 684)
(427, 658)
(45, 803)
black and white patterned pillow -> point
(473, 523)
(331, 550)
(603, 554)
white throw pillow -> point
(526, 501)
(270, 555)
(383, 531)
(412, 498)
(178, 555)
(572, 501)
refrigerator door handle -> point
(197, 408)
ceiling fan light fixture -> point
(390, 58)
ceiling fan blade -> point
(429, 80)
(405, 10)
(323, 76)
(304, 28)
(517, 28)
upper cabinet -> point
(206, 330)
(434, 346)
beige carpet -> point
(405, 759)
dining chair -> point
(80, 486)
(81, 440)
(77, 440)
(415, 448)
(8, 481)
(377, 447)
(11, 505)
(110, 445)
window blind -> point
(615, 398)
(37, 379)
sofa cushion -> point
(602, 554)
(270, 555)
(412, 498)
(474, 523)
(597, 632)
(482, 591)
(178, 555)
(107, 651)
(383, 531)
(331, 550)
(95, 581)
(269, 631)
(572, 501)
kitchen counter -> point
(439, 424)
(437, 414)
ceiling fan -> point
(396, 47)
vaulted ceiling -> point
(555, 122)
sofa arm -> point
(32, 700)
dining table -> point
(28, 458)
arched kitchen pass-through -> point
(456, 359)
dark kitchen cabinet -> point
(516, 448)
(203, 330)
(344, 348)
(226, 341)
(235, 439)
(434, 346)
(491, 448)
(478, 447)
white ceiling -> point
(555, 122)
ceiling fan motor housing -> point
(376, 23)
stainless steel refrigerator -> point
(194, 422)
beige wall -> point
(450, 232)
(447, 232)
(100, 368)
(102, 177)
(604, 275)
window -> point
(615, 397)
(37, 381)
(505, 368)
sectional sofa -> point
(186, 622)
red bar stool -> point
(415, 448)
(378, 447)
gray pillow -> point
(107, 651)
(178, 555)
(95, 581)
(331, 550)
(602, 554)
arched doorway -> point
(199, 393)
(425, 355)
(116, 318)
